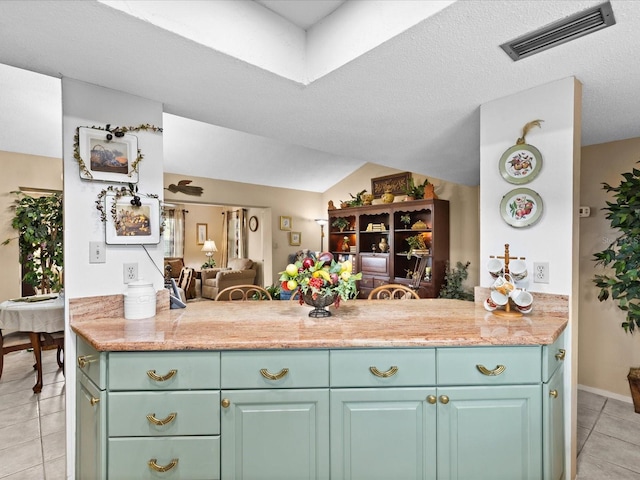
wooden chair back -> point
(13, 342)
(393, 291)
(243, 292)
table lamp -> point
(208, 248)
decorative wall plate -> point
(521, 207)
(520, 163)
(253, 223)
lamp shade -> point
(322, 221)
(209, 246)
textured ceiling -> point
(411, 103)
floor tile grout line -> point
(593, 427)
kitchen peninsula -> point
(382, 389)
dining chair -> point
(393, 291)
(295, 295)
(13, 342)
(243, 292)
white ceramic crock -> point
(140, 300)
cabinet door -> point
(553, 426)
(90, 430)
(383, 434)
(275, 434)
(490, 433)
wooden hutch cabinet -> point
(375, 240)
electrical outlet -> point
(541, 272)
(130, 272)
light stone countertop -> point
(256, 325)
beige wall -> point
(605, 351)
(27, 171)
(212, 217)
(464, 216)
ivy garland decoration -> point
(119, 192)
(113, 131)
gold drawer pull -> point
(83, 360)
(553, 394)
(157, 378)
(165, 421)
(93, 401)
(561, 354)
(444, 399)
(431, 399)
(389, 373)
(162, 468)
(225, 403)
(273, 376)
(491, 373)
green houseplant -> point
(622, 284)
(38, 221)
(341, 223)
(415, 191)
(453, 279)
(416, 242)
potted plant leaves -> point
(622, 283)
(417, 245)
(340, 223)
(415, 192)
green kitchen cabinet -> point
(553, 441)
(489, 432)
(275, 434)
(91, 452)
(383, 433)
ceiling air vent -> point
(562, 31)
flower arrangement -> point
(321, 277)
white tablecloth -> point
(43, 316)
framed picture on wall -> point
(201, 233)
(295, 238)
(285, 223)
(131, 224)
(109, 160)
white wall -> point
(554, 238)
(89, 105)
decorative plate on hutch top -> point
(520, 163)
(521, 207)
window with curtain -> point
(173, 235)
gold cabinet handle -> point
(431, 399)
(273, 376)
(561, 354)
(162, 468)
(157, 378)
(225, 403)
(83, 360)
(444, 399)
(93, 401)
(553, 394)
(491, 373)
(389, 373)
(165, 421)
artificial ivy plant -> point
(38, 221)
(623, 254)
(453, 282)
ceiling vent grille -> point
(562, 31)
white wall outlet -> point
(130, 272)
(541, 272)
(97, 252)
(585, 211)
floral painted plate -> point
(520, 163)
(521, 207)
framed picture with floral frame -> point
(295, 238)
(285, 223)
(107, 159)
(131, 224)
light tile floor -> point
(608, 439)
(32, 427)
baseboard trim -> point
(606, 393)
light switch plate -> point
(97, 252)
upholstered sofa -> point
(240, 271)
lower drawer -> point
(193, 458)
(171, 413)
